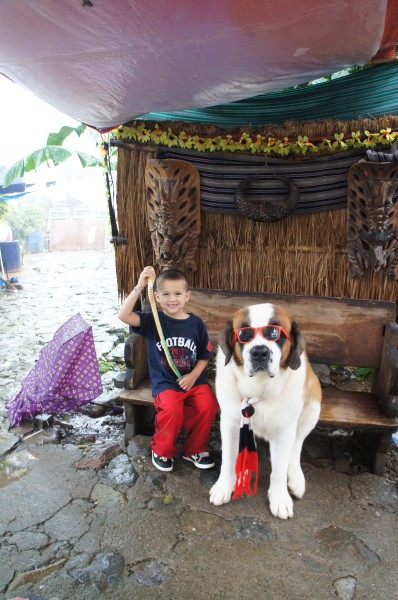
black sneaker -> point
(202, 460)
(162, 463)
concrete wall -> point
(78, 234)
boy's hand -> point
(146, 274)
(187, 381)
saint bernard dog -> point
(261, 358)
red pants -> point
(193, 410)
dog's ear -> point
(225, 341)
(298, 345)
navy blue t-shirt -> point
(187, 341)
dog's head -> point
(262, 338)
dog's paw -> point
(296, 483)
(220, 494)
(280, 503)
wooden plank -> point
(141, 395)
(353, 410)
(387, 377)
(135, 354)
(349, 410)
(337, 330)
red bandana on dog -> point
(246, 467)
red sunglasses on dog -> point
(272, 333)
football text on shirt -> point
(178, 342)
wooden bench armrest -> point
(386, 386)
(135, 356)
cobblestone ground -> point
(56, 285)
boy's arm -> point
(126, 313)
(200, 366)
(188, 381)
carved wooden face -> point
(173, 196)
(373, 217)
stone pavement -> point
(84, 517)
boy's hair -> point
(171, 275)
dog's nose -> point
(259, 353)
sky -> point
(25, 122)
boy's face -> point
(172, 297)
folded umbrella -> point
(65, 377)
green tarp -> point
(366, 94)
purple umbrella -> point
(65, 377)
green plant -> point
(3, 209)
(53, 153)
(23, 218)
(105, 365)
(363, 372)
(358, 372)
(3, 203)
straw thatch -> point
(301, 254)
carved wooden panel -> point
(373, 218)
(173, 196)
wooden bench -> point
(346, 332)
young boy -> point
(188, 402)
